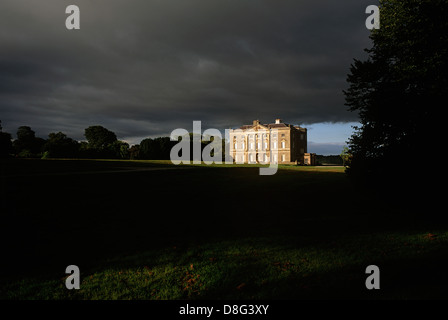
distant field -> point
(151, 230)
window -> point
(235, 146)
(274, 146)
(242, 145)
(251, 146)
(283, 144)
(283, 158)
(265, 146)
(259, 145)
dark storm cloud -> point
(144, 68)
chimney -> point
(256, 122)
(277, 121)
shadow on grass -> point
(52, 221)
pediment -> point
(258, 127)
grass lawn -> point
(151, 230)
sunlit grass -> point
(233, 165)
(252, 268)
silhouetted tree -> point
(58, 145)
(5, 143)
(165, 145)
(134, 152)
(147, 149)
(85, 151)
(101, 143)
(155, 149)
(398, 89)
(119, 149)
(27, 144)
(99, 137)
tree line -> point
(101, 143)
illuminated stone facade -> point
(277, 142)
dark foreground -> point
(150, 230)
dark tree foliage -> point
(103, 144)
(160, 148)
(25, 134)
(5, 143)
(399, 92)
(58, 145)
(134, 152)
(329, 160)
(119, 150)
(27, 144)
(155, 149)
(99, 137)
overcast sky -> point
(144, 68)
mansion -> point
(277, 142)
